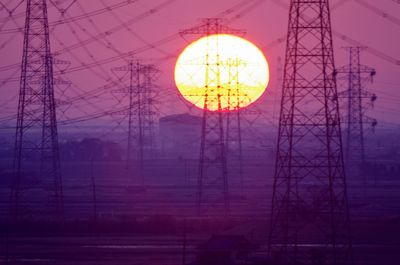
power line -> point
(106, 33)
(375, 52)
(379, 12)
(62, 20)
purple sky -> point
(99, 36)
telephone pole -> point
(309, 202)
(37, 170)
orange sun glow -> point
(221, 73)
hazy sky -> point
(89, 35)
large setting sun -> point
(221, 69)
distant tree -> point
(90, 148)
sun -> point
(221, 72)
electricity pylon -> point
(355, 119)
(37, 174)
(212, 184)
(233, 139)
(309, 202)
(141, 112)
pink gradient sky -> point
(265, 21)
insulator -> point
(372, 74)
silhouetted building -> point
(180, 135)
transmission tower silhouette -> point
(212, 183)
(309, 202)
(37, 174)
(233, 139)
(141, 113)
(355, 119)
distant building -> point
(180, 135)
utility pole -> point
(309, 202)
(36, 137)
(212, 182)
(355, 98)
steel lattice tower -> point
(233, 139)
(149, 110)
(355, 73)
(212, 184)
(141, 111)
(36, 162)
(309, 202)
